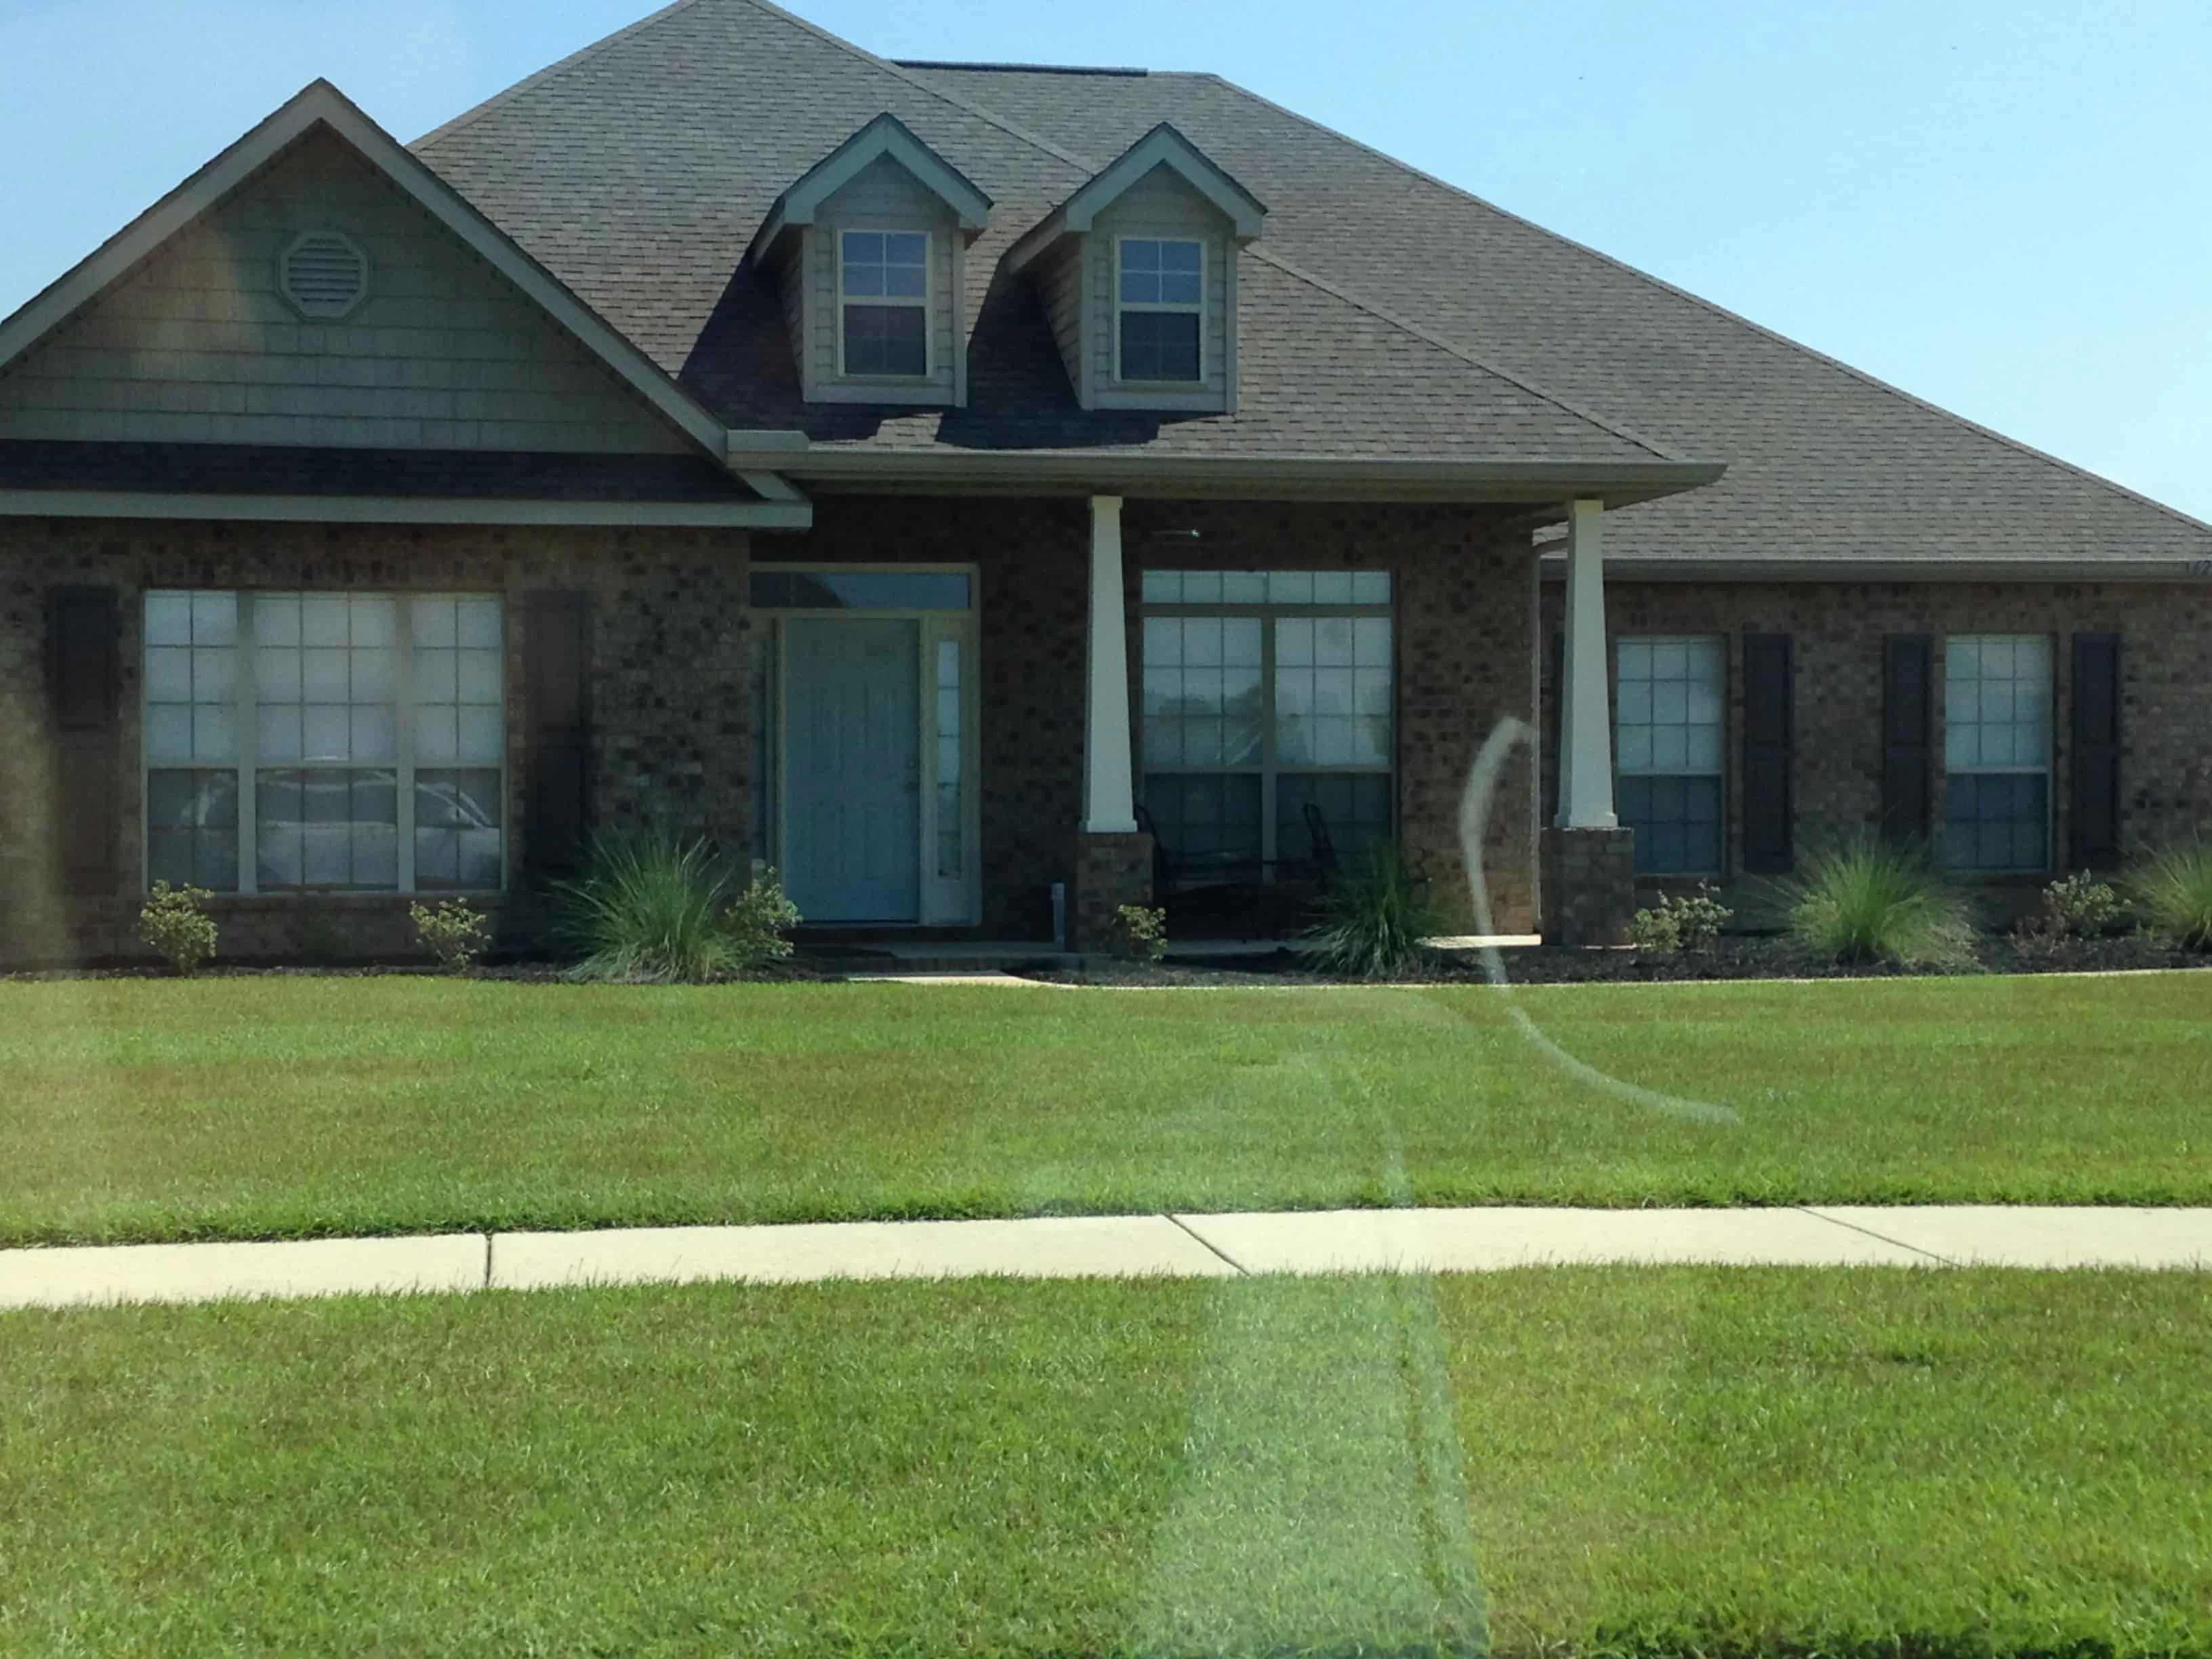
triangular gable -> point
(887, 136)
(1163, 146)
(321, 105)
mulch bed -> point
(1736, 957)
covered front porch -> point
(1000, 720)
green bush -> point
(1875, 903)
(757, 922)
(2173, 893)
(1140, 932)
(2082, 907)
(174, 923)
(1681, 922)
(1657, 932)
(648, 909)
(1371, 923)
(455, 931)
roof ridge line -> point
(1721, 310)
(889, 67)
(1602, 422)
(591, 50)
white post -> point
(1586, 724)
(1109, 798)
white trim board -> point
(794, 515)
(321, 104)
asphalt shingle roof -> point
(1383, 312)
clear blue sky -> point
(2003, 205)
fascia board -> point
(796, 514)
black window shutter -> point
(2095, 805)
(1769, 739)
(1908, 666)
(557, 673)
(84, 691)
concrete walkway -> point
(1122, 1247)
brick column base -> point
(1589, 886)
(1111, 870)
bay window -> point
(324, 742)
(1269, 716)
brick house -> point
(946, 482)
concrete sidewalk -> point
(1118, 1247)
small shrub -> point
(1372, 922)
(757, 922)
(1872, 903)
(174, 923)
(454, 932)
(1681, 922)
(1140, 932)
(1657, 932)
(2173, 893)
(648, 909)
(2081, 907)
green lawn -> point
(251, 1107)
(1722, 1462)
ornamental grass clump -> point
(2171, 891)
(1373, 923)
(648, 909)
(1870, 903)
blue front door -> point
(852, 841)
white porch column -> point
(1586, 724)
(1109, 797)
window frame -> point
(2048, 771)
(1160, 308)
(1269, 769)
(1718, 772)
(926, 303)
(247, 766)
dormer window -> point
(1137, 273)
(883, 293)
(1159, 318)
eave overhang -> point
(1077, 472)
(1629, 567)
(401, 509)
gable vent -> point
(323, 275)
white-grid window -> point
(1669, 740)
(883, 283)
(1996, 751)
(1160, 291)
(324, 742)
(1269, 717)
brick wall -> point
(1466, 601)
(672, 726)
(2165, 631)
(670, 692)
(1466, 605)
